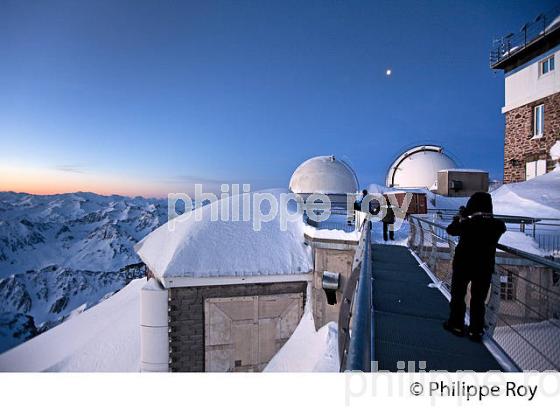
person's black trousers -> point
(480, 284)
(391, 232)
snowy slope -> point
(61, 254)
(307, 349)
(31, 303)
(76, 231)
(105, 338)
(538, 197)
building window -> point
(538, 121)
(507, 290)
(546, 65)
(535, 168)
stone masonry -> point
(519, 145)
(186, 318)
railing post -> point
(433, 246)
(421, 230)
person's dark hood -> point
(479, 202)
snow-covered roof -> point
(378, 189)
(324, 175)
(203, 247)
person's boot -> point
(457, 331)
(475, 335)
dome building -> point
(418, 167)
(324, 175)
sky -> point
(150, 97)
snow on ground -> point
(219, 246)
(538, 197)
(308, 350)
(105, 338)
(334, 234)
(521, 241)
(401, 235)
(555, 151)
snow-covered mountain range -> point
(60, 254)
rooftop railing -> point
(529, 33)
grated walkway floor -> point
(409, 315)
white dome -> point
(323, 175)
(418, 167)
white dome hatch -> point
(324, 175)
(418, 167)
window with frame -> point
(538, 121)
(546, 65)
(506, 288)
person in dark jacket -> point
(388, 221)
(479, 233)
(373, 205)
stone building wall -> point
(186, 318)
(519, 147)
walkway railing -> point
(355, 326)
(543, 230)
(523, 306)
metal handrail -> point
(523, 309)
(508, 249)
(448, 211)
(355, 345)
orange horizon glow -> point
(47, 181)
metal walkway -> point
(408, 317)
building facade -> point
(530, 62)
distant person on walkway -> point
(358, 201)
(373, 207)
(388, 223)
(479, 233)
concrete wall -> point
(332, 260)
(472, 182)
(526, 85)
(187, 318)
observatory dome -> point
(418, 167)
(324, 175)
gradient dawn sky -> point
(146, 97)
